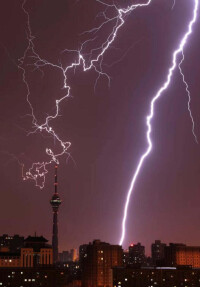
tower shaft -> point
(55, 203)
(55, 236)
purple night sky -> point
(106, 127)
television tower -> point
(55, 203)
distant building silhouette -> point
(98, 262)
(55, 203)
(64, 256)
(68, 256)
(11, 243)
(157, 251)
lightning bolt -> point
(180, 50)
(38, 170)
(174, 3)
(189, 97)
(93, 60)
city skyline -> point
(106, 128)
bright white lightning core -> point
(176, 53)
(38, 170)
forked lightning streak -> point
(38, 170)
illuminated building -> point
(98, 262)
(136, 254)
(157, 251)
(8, 259)
(55, 203)
(33, 277)
(156, 277)
(180, 254)
(36, 252)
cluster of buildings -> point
(29, 262)
(32, 262)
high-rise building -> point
(82, 254)
(99, 259)
(125, 257)
(55, 203)
(136, 254)
(157, 251)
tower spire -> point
(56, 179)
(55, 203)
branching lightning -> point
(39, 170)
(189, 97)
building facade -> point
(157, 251)
(34, 277)
(156, 277)
(98, 262)
(182, 255)
(36, 252)
(8, 259)
(136, 255)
